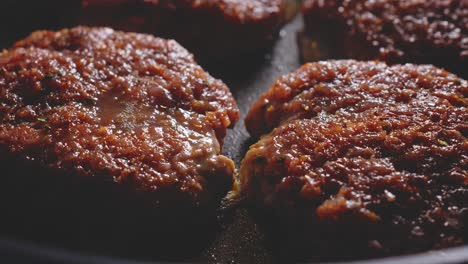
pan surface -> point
(241, 240)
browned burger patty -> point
(122, 107)
(211, 28)
(431, 31)
(128, 110)
(365, 160)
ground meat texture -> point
(432, 32)
(124, 108)
(209, 28)
(365, 160)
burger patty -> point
(432, 31)
(124, 108)
(210, 28)
(364, 159)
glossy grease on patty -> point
(364, 159)
(124, 108)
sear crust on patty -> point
(125, 108)
(209, 28)
(430, 31)
(369, 159)
(330, 86)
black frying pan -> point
(241, 239)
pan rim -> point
(30, 249)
